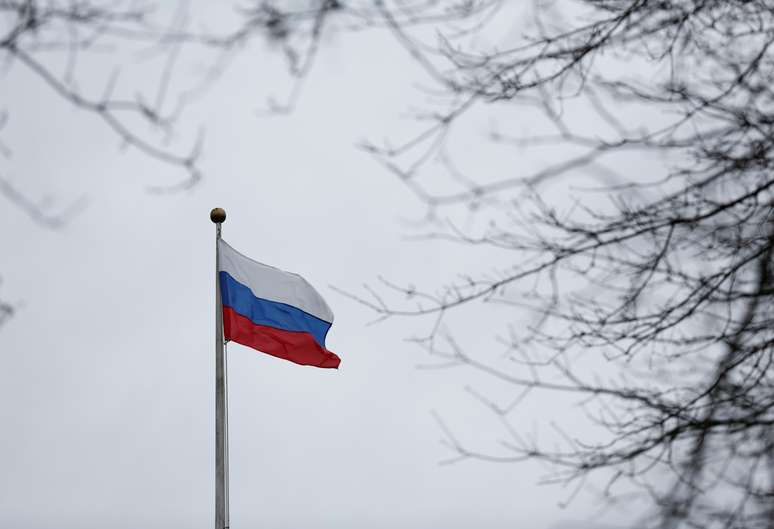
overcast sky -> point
(106, 369)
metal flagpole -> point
(218, 216)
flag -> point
(273, 311)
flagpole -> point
(218, 216)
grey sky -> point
(106, 371)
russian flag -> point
(273, 311)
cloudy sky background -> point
(106, 370)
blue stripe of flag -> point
(271, 313)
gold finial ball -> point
(218, 215)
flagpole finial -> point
(218, 215)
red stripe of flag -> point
(298, 347)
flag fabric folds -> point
(273, 311)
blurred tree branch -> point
(50, 39)
(33, 30)
(661, 282)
